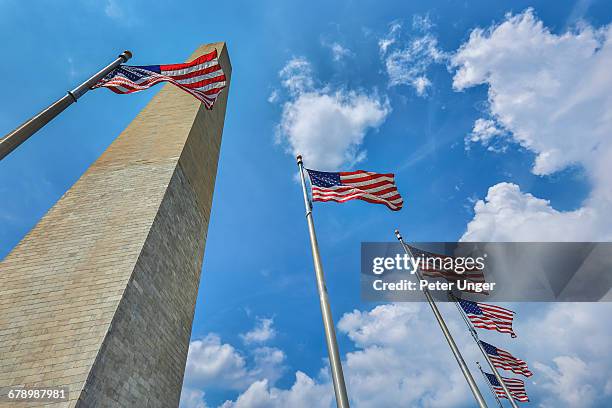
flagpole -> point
(328, 322)
(12, 140)
(472, 331)
(449, 338)
(490, 386)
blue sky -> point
(494, 134)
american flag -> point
(490, 317)
(431, 270)
(514, 385)
(202, 78)
(504, 360)
(361, 185)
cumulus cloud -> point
(262, 332)
(327, 127)
(401, 359)
(508, 214)
(304, 393)
(408, 63)
(548, 93)
(569, 354)
(570, 381)
(192, 398)
(214, 364)
(552, 94)
(388, 369)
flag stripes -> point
(361, 185)
(504, 360)
(203, 78)
(515, 386)
(490, 317)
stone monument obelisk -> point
(99, 297)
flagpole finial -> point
(126, 55)
(299, 158)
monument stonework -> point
(100, 295)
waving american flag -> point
(504, 360)
(515, 386)
(490, 317)
(202, 78)
(368, 186)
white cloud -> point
(484, 131)
(213, 364)
(569, 382)
(401, 359)
(408, 64)
(422, 22)
(567, 347)
(569, 354)
(304, 393)
(273, 98)
(262, 332)
(387, 370)
(507, 214)
(391, 37)
(548, 93)
(339, 52)
(192, 398)
(296, 76)
(327, 127)
(552, 94)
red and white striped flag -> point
(515, 386)
(202, 78)
(368, 186)
(506, 361)
(490, 317)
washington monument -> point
(99, 296)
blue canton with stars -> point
(133, 73)
(491, 350)
(493, 380)
(324, 178)
(470, 307)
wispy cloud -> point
(339, 52)
(113, 10)
(408, 62)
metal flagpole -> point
(490, 386)
(449, 338)
(12, 140)
(484, 353)
(328, 322)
